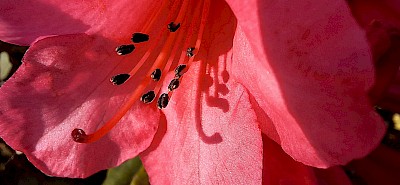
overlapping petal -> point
(210, 136)
(379, 167)
(280, 168)
(64, 84)
(309, 67)
(368, 10)
(23, 21)
(381, 21)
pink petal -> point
(21, 22)
(64, 84)
(381, 21)
(382, 166)
(279, 168)
(383, 10)
(308, 66)
(385, 43)
(210, 138)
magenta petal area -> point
(382, 166)
(280, 168)
(23, 21)
(208, 138)
(309, 67)
(381, 20)
(63, 84)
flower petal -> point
(308, 65)
(279, 168)
(22, 22)
(381, 21)
(64, 84)
(382, 166)
(367, 10)
(210, 138)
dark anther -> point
(119, 79)
(173, 84)
(156, 75)
(189, 52)
(78, 135)
(173, 27)
(163, 101)
(148, 97)
(139, 37)
(179, 69)
(124, 49)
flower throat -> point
(183, 34)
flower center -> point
(184, 34)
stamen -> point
(156, 75)
(153, 17)
(173, 27)
(163, 56)
(163, 101)
(119, 79)
(189, 52)
(139, 37)
(183, 39)
(78, 135)
(124, 49)
(204, 15)
(179, 69)
(173, 84)
(148, 97)
(168, 43)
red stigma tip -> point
(78, 135)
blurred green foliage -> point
(5, 65)
(130, 172)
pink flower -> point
(297, 71)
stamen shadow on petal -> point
(214, 86)
(218, 56)
(216, 137)
(215, 51)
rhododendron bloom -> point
(197, 88)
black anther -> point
(119, 79)
(163, 101)
(124, 49)
(139, 37)
(148, 97)
(173, 84)
(189, 52)
(173, 27)
(156, 75)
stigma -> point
(169, 50)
